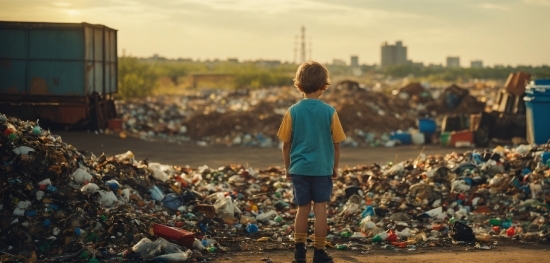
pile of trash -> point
(59, 205)
(252, 117)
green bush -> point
(135, 79)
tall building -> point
(476, 64)
(393, 54)
(453, 62)
(354, 61)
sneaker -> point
(321, 256)
(300, 253)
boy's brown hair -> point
(311, 76)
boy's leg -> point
(323, 184)
(320, 210)
(302, 197)
(300, 223)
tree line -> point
(139, 78)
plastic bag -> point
(23, 150)
(149, 250)
(156, 193)
(174, 257)
(127, 156)
(461, 232)
(107, 199)
(226, 209)
(89, 188)
(80, 176)
(172, 201)
(161, 172)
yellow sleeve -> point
(338, 134)
(285, 131)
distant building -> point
(393, 54)
(268, 63)
(354, 61)
(338, 62)
(431, 65)
(453, 62)
(476, 64)
(156, 57)
(233, 60)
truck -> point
(59, 73)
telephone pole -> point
(303, 46)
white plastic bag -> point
(175, 257)
(107, 199)
(161, 172)
(225, 208)
(23, 150)
(127, 156)
(80, 176)
(89, 188)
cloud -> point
(490, 6)
(537, 2)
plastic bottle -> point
(13, 136)
(451, 220)
(380, 237)
(495, 222)
(511, 231)
(36, 130)
(392, 237)
(369, 211)
(507, 223)
(342, 247)
(266, 216)
(345, 234)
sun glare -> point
(72, 12)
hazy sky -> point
(508, 32)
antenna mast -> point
(303, 46)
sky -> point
(498, 32)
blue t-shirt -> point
(312, 127)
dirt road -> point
(527, 253)
(215, 156)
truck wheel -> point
(481, 136)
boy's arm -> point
(286, 158)
(336, 160)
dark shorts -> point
(311, 188)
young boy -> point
(311, 133)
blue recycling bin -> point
(404, 137)
(426, 125)
(537, 109)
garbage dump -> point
(59, 205)
(252, 117)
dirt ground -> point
(535, 253)
(215, 156)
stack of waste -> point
(58, 204)
(252, 118)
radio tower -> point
(303, 46)
(295, 49)
(310, 41)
